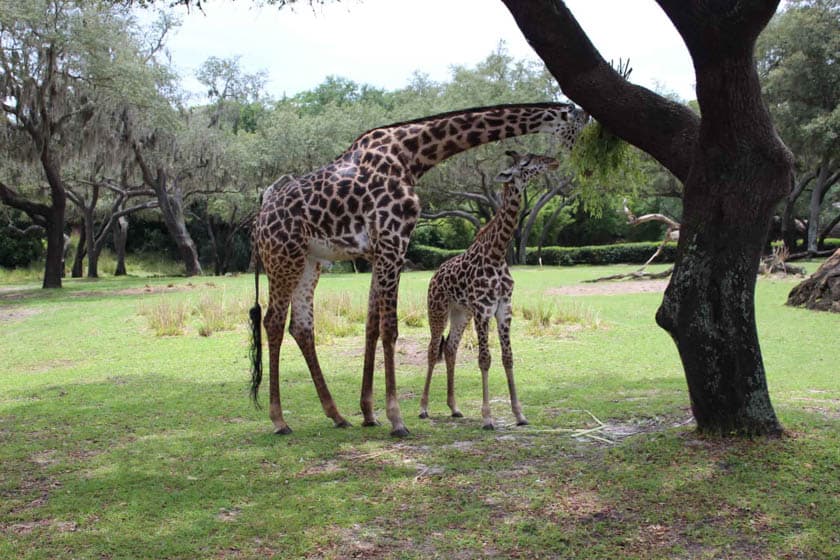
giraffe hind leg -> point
(437, 314)
(302, 328)
(275, 319)
(503, 318)
(481, 330)
(459, 318)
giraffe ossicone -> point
(477, 285)
(363, 205)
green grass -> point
(116, 442)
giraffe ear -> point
(516, 156)
(503, 177)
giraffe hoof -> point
(370, 423)
(522, 422)
(457, 414)
(424, 415)
(343, 424)
(399, 432)
(488, 427)
(284, 431)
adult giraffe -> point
(363, 204)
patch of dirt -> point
(16, 314)
(610, 288)
(51, 524)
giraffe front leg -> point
(302, 328)
(389, 330)
(481, 330)
(503, 318)
(371, 338)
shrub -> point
(16, 252)
(429, 258)
(623, 253)
(166, 318)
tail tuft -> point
(256, 352)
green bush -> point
(17, 252)
(623, 253)
(429, 258)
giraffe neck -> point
(423, 143)
(494, 238)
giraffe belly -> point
(346, 248)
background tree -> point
(797, 56)
(51, 53)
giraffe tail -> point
(440, 349)
(255, 315)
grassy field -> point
(118, 440)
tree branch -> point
(452, 214)
(36, 211)
(665, 129)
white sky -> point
(383, 42)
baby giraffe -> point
(477, 284)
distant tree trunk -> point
(81, 250)
(734, 168)
(533, 214)
(828, 229)
(172, 209)
(120, 238)
(90, 239)
(789, 233)
(817, 195)
(825, 180)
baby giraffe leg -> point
(503, 317)
(458, 319)
(437, 311)
(482, 325)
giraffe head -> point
(565, 121)
(524, 167)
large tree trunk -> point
(54, 266)
(821, 291)
(735, 170)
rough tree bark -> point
(821, 291)
(735, 170)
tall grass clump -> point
(412, 310)
(166, 317)
(217, 313)
(338, 315)
(547, 317)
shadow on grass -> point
(151, 466)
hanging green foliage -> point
(604, 165)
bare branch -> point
(452, 214)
